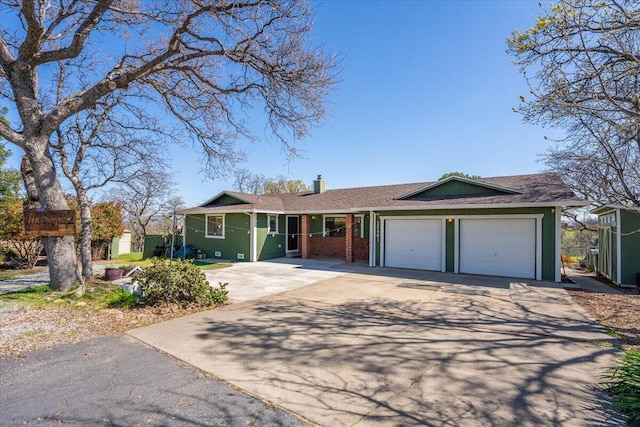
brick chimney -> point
(319, 186)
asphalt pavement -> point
(117, 381)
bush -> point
(180, 282)
(623, 383)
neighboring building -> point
(503, 226)
(618, 244)
(120, 245)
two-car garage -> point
(505, 246)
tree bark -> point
(61, 255)
(86, 256)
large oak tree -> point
(205, 62)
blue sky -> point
(426, 88)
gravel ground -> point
(24, 329)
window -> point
(273, 223)
(336, 226)
(215, 226)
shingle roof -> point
(530, 190)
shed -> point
(619, 244)
(121, 245)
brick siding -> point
(327, 247)
(360, 249)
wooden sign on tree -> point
(53, 223)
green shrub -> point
(623, 383)
(180, 282)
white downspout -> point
(253, 237)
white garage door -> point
(413, 243)
(498, 247)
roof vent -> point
(319, 186)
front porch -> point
(347, 247)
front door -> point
(293, 233)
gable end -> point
(224, 200)
(457, 187)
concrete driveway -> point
(394, 347)
(251, 280)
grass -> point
(121, 299)
(209, 266)
(623, 383)
(97, 295)
(611, 331)
(133, 256)
(35, 296)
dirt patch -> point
(26, 328)
(620, 313)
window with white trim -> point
(273, 224)
(336, 226)
(215, 226)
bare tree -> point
(145, 199)
(251, 183)
(247, 182)
(206, 62)
(599, 161)
(582, 65)
(113, 142)
(164, 223)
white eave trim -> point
(564, 204)
(203, 211)
(605, 209)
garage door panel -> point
(498, 247)
(413, 243)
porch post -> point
(304, 234)
(349, 238)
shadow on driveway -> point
(407, 349)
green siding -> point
(271, 245)
(630, 246)
(614, 252)
(115, 248)
(150, 243)
(366, 225)
(456, 188)
(450, 240)
(237, 238)
(226, 200)
(315, 224)
(548, 231)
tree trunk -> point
(61, 253)
(86, 256)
